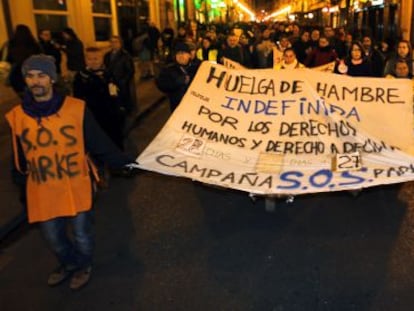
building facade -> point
(382, 19)
(96, 20)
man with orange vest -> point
(54, 138)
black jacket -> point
(173, 81)
(120, 65)
(93, 88)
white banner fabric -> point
(287, 132)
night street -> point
(167, 243)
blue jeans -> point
(72, 253)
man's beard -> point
(38, 91)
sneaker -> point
(58, 275)
(80, 278)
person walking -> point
(52, 137)
(120, 65)
(175, 78)
(21, 46)
(99, 89)
(75, 58)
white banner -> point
(228, 63)
(287, 132)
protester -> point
(321, 55)
(356, 64)
(50, 47)
(100, 91)
(175, 78)
(206, 51)
(20, 47)
(212, 35)
(289, 60)
(194, 61)
(401, 70)
(247, 47)
(403, 51)
(278, 50)
(52, 136)
(374, 56)
(120, 65)
(75, 58)
(142, 50)
(182, 35)
(302, 46)
(384, 50)
(336, 40)
(314, 38)
(193, 32)
(145, 46)
(154, 36)
(167, 37)
(231, 50)
(263, 51)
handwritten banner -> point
(287, 132)
(227, 62)
(329, 67)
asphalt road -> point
(167, 243)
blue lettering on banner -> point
(287, 181)
(320, 179)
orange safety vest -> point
(58, 180)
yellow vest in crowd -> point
(212, 55)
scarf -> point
(39, 110)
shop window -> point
(50, 14)
(54, 23)
(102, 19)
(101, 6)
(53, 5)
(103, 29)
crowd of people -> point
(277, 45)
(54, 101)
(259, 46)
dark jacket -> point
(234, 54)
(377, 62)
(93, 88)
(361, 70)
(320, 56)
(75, 56)
(300, 47)
(121, 66)
(18, 52)
(173, 81)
